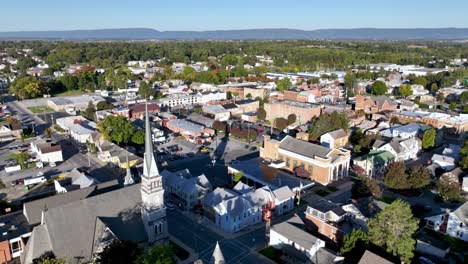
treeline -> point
(300, 55)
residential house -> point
(444, 162)
(402, 150)
(15, 231)
(291, 235)
(324, 217)
(46, 151)
(10, 131)
(429, 244)
(454, 224)
(323, 164)
(186, 190)
(374, 163)
(233, 210)
(405, 131)
(375, 104)
(334, 139)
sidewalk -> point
(210, 225)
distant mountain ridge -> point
(245, 34)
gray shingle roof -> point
(462, 213)
(303, 148)
(283, 193)
(37, 245)
(339, 133)
(294, 230)
(371, 258)
(72, 227)
(33, 210)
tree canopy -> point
(429, 137)
(393, 229)
(397, 177)
(326, 123)
(116, 128)
(284, 84)
(379, 88)
(405, 90)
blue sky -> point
(232, 14)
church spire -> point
(128, 177)
(150, 168)
(217, 257)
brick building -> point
(438, 120)
(325, 218)
(304, 111)
(323, 164)
(375, 104)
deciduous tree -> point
(379, 88)
(393, 229)
(405, 90)
(261, 115)
(284, 84)
(429, 137)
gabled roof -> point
(71, 227)
(339, 133)
(242, 188)
(283, 193)
(371, 258)
(33, 210)
(304, 148)
(462, 213)
(294, 230)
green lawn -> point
(70, 93)
(40, 109)
(181, 253)
(273, 254)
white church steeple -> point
(152, 193)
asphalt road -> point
(203, 241)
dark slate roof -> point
(229, 106)
(13, 225)
(325, 206)
(33, 210)
(304, 148)
(294, 230)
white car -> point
(53, 164)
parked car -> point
(170, 206)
